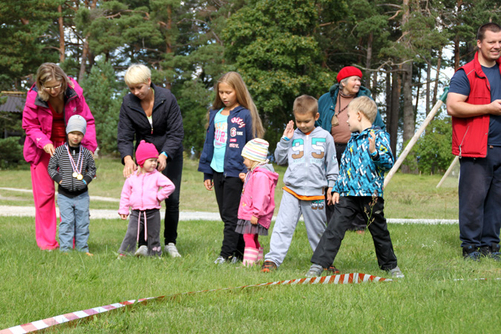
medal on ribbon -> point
(77, 172)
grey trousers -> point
(289, 213)
(137, 223)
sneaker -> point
(316, 270)
(268, 266)
(332, 270)
(471, 253)
(141, 251)
(491, 251)
(172, 250)
(396, 272)
(220, 260)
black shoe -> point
(495, 254)
(471, 253)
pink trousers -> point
(43, 194)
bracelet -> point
(285, 138)
(375, 154)
(165, 154)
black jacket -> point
(166, 133)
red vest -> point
(469, 135)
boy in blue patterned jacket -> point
(359, 189)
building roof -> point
(15, 101)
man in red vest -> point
(474, 102)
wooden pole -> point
(416, 136)
(449, 170)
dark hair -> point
(488, 26)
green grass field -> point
(440, 293)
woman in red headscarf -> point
(332, 107)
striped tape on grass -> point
(88, 314)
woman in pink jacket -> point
(143, 191)
(50, 103)
(257, 202)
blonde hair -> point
(305, 104)
(366, 106)
(235, 81)
(137, 74)
(48, 72)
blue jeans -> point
(74, 222)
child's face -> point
(306, 122)
(74, 138)
(150, 165)
(354, 120)
(248, 163)
(227, 95)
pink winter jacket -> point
(141, 191)
(258, 196)
(37, 122)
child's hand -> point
(289, 130)
(123, 216)
(253, 220)
(242, 176)
(372, 142)
(335, 198)
(208, 184)
(329, 196)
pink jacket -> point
(141, 191)
(37, 122)
(258, 196)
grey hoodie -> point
(312, 162)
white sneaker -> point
(172, 250)
(220, 260)
(396, 273)
(142, 251)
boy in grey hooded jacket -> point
(310, 154)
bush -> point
(11, 154)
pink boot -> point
(250, 256)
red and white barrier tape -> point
(69, 317)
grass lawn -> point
(38, 284)
(440, 293)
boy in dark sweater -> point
(72, 167)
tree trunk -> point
(85, 46)
(368, 63)
(61, 33)
(394, 110)
(435, 88)
(428, 87)
(409, 115)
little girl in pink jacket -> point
(257, 203)
(143, 191)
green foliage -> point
(104, 97)
(271, 45)
(11, 154)
(433, 149)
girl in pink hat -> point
(143, 191)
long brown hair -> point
(47, 72)
(235, 81)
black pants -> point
(479, 199)
(228, 191)
(173, 171)
(344, 212)
(359, 223)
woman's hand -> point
(123, 216)
(162, 162)
(49, 149)
(130, 166)
(208, 184)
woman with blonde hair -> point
(151, 113)
(50, 102)
(233, 120)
